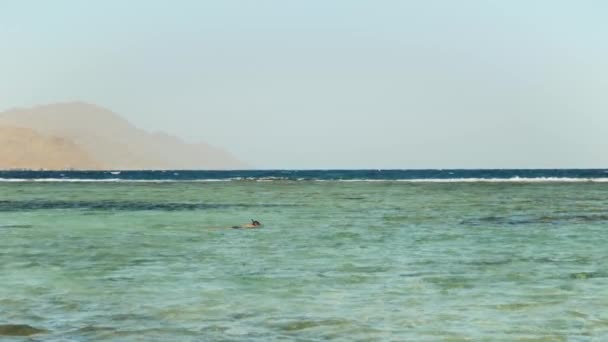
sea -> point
(343, 255)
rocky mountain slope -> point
(86, 136)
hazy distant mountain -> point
(105, 138)
(24, 148)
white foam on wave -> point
(479, 180)
(282, 179)
(509, 180)
(112, 180)
(68, 180)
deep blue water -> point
(327, 175)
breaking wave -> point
(411, 176)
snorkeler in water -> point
(253, 224)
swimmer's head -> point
(255, 223)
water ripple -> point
(101, 205)
(525, 219)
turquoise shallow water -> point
(335, 261)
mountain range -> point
(79, 135)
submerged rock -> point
(15, 226)
(18, 330)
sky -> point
(322, 84)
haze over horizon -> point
(341, 84)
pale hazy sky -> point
(330, 84)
